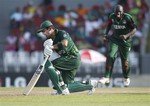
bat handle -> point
(45, 60)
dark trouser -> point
(124, 52)
(68, 66)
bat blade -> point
(33, 80)
(35, 77)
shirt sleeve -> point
(108, 24)
(63, 35)
(131, 23)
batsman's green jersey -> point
(69, 60)
(121, 27)
(67, 63)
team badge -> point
(113, 20)
(124, 22)
(64, 35)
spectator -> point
(81, 10)
(16, 18)
(11, 41)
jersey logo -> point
(64, 35)
(124, 21)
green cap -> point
(44, 25)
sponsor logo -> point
(119, 26)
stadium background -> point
(14, 74)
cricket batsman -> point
(62, 70)
(123, 28)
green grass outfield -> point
(40, 96)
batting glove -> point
(48, 43)
(47, 51)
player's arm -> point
(130, 35)
(63, 36)
(109, 24)
(61, 45)
(132, 26)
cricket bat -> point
(35, 77)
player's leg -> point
(68, 68)
(56, 78)
(76, 86)
(112, 54)
(124, 53)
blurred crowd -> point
(86, 25)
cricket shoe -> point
(64, 92)
(94, 83)
(126, 82)
(104, 80)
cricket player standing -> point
(123, 30)
(62, 70)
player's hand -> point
(48, 43)
(106, 38)
(47, 51)
(124, 37)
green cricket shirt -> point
(121, 27)
(71, 49)
(69, 56)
